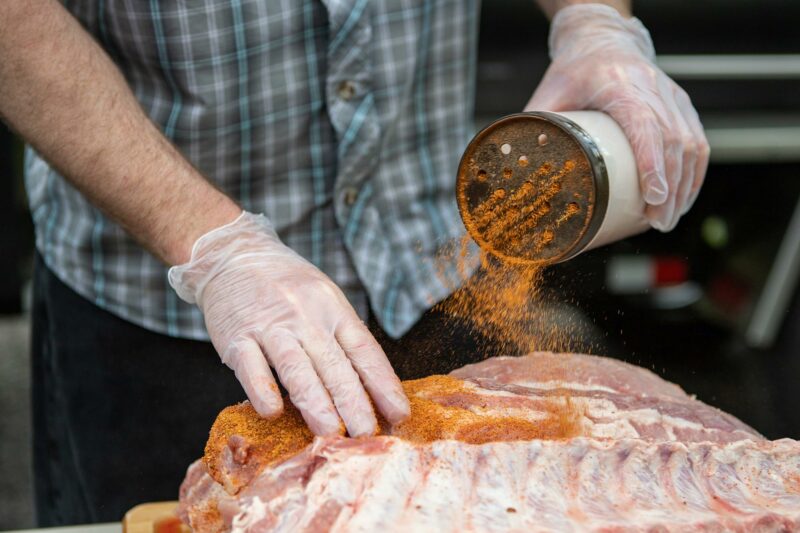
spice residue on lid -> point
(544, 211)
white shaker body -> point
(625, 212)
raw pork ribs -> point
(546, 442)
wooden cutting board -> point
(157, 517)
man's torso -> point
(342, 121)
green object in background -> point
(715, 232)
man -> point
(161, 130)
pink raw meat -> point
(648, 458)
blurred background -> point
(712, 306)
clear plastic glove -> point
(264, 305)
(605, 62)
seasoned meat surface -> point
(541, 442)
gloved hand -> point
(264, 305)
(603, 61)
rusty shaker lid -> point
(532, 188)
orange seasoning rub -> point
(442, 407)
(239, 433)
(509, 224)
(792, 483)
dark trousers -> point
(120, 412)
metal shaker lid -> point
(532, 188)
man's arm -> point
(550, 7)
(62, 94)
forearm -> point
(550, 7)
(63, 95)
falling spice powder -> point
(503, 299)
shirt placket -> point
(351, 106)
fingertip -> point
(655, 189)
(363, 425)
(325, 425)
(321, 417)
(659, 225)
(391, 400)
(250, 366)
(398, 408)
(377, 374)
(268, 405)
(660, 219)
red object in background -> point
(635, 274)
(670, 271)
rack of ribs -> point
(545, 442)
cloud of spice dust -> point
(507, 303)
(498, 308)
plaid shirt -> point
(341, 120)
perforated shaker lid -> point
(532, 188)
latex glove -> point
(603, 61)
(264, 305)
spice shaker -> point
(542, 187)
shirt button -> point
(350, 195)
(347, 90)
